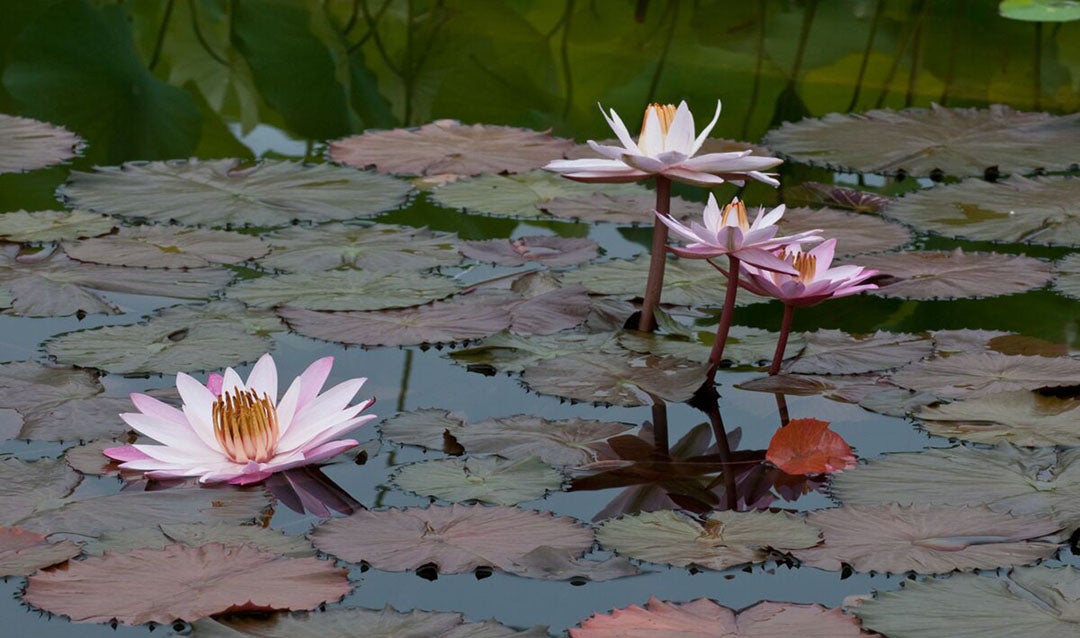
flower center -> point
(805, 263)
(665, 113)
(246, 425)
(736, 206)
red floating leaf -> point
(808, 446)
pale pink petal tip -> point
(214, 383)
(124, 453)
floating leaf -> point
(818, 194)
(89, 458)
(942, 274)
(1068, 279)
(228, 192)
(559, 564)
(167, 247)
(343, 290)
(883, 398)
(29, 144)
(60, 404)
(377, 247)
(22, 553)
(960, 142)
(1040, 10)
(634, 209)
(198, 534)
(1035, 602)
(704, 618)
(52, 225)
(1019, 417)
(447, 146)
(744, 347)
(561, 442)
(963, 376)
(957, 341)
(56, 286)
(519, 195)
(835, 352)
(180, 582)
(726, 539)
(427, 427)
(457, 538)
(346, 621)
(1039, 210)
(625, 380)
(799, 385)
(857, 234)
(508, 352)
(178, 338)
(926, 539)
(551, 251)
(27, 486)
(808, 446)
(1039, 482)
(487, 479)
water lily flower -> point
(814, 280)
(666, 146)
(242, 433)
(730, 232)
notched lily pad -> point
(198, 534)
(487, 479)
(22, 553)
(52, 225)
(29, 144)
(381, 247)
(551, 251)
(819, 194)
(343, 290)
(511, 353)
(1068, 276)
(962, 376)
(448, 146)
(836, 352)
(167, 247)
(1018, 417)
(60, 404)
(857, 234)
(228, 192)
(626, 380)
(632, 209)
(941, 274)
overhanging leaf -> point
(29, 144)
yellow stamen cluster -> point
(665, 113)
(246, 425)
(805, 263)
(739, 208)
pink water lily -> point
(814, 280)
(730, 232)
(240, 432)
(666, 146)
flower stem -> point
(717, 354)
(781, 343)
(658, 258)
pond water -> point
(224, 207)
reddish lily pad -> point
(1018, 417)
(818, 194)
(22, 553)
(927, 540)
(180, 582)
(857, 234)
(228, 192)
(958, 141)
(486, 479)
(29, 144)
(53, 225)
(381, 247)
(941, 274)
(197, 534)
(835, 352)
(456, 538)
(808, 446)
(632, 209)
(1040, 210)
(626, 380)
(447, 146)
(962, 376)
(551, 251)
(167, 247)
(703, 618)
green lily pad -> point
(1040, 10)
(1038, 210)
(1019, 417)
(725, 540)
(962, 376)
(1068, 279)
(196, 534)
(836, 352)
(167, 247)
(228, 192)
(626, 380)
(488, 479)
(29, 144)
(961, 141)
(53, 225)
(377, 247)
(343, 290)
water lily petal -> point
(734, 162)
(312, 380)
(150, 406)
(231, 382)
(198, 408)
(588, 164)
(644, 163)
(705, 131)
(617, 126)
(610, 152)
(765, 260)
(124, 453)
(165, 432)
(651, 140)
(680, 135)
(263, 378)
(178, 456)
(697, 178)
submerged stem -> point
(722, 330)
(657, 260)
(781, 342)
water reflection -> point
(308, 490)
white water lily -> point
(666, 146)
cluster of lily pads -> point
(277, 246)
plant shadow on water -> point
(320, 180)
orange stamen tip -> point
(246, 426)
(665, 114)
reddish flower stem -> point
(658, 257)
(722, 330)
(781, 343)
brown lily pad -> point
(167, 247)
(857, 234)
(22, 553)
(963, 376)
(625, 380)
(940, 274)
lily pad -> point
(180, 582)
(626, 380)
(22, 553)
(1023, 481)
(381, 247)
(53, 285)
(52, 225)
(1040, 10)
(744, 347)
(343, 290)
(959, 141)
(520, 195)
(558, 442)
(29, 144)
(725, 540)
(427, 427)
(942, 274)
(1035, 602)
(229, 192)
(819, 194)
(632, 209)
(551, 251)
(963, 376)
(927, 539)
(198, 534)
(457, 538)
(808, 446)
(703, 618)
(447, 146)
(835, 352)
(60, 404)
(178, 338)
(487, 479)
(857, 233)
(167, 247)
(1039, 210)
(1068, 279)
(1018, 417)
(511, 353)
